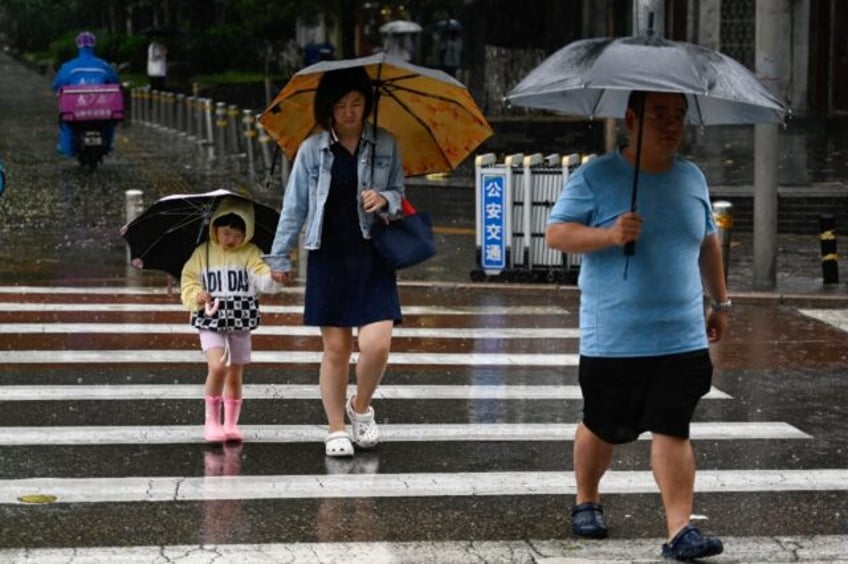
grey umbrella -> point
(594, 78)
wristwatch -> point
(721, 305)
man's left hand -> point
(716, 324)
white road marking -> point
(836, 317)
(278, 357)
(166, 489)
(296, 392)
(753, 550)
(424, 484)
(288, 330)
(179, 434)
(99, 290)
(270, 308)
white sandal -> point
(338, 443)
(365, 431)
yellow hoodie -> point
(235, 277)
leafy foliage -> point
(209, 35)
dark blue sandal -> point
(587, 520)
(690, 544)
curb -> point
(748, 298)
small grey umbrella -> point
(399, 27)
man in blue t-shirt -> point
(644, 356)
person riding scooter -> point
(86, 68)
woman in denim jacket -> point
(344, 178)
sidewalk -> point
(799, 272)
(451, 207)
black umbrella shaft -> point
(630, 248)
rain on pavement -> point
(102, 379)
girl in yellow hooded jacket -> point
(220, 284)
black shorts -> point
(624, 397)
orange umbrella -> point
(435, 120)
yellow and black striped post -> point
(827, 235)
(723, 215)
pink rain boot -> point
(213, 432)
(232, 410)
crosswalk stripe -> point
(342, 485)
(101, 290)
(174, 434)
(288, 330)
(785, 548)
(181, 488)
(279, 357)
(271, 308)
(297, 392)
(836, 317)
(759, 549)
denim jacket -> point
(309, 184)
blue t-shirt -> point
(658, 308)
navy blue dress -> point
(348, 284)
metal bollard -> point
(154, 104)
(143, 101)
(829, 258)
(198, 120)
(191, 101)
(179, 116)
(134, 205)
(209, 137)
(163, 110)
(169, 111)
(265, 146)
(249, 133)
(723, 214)
(221, 129)
(133, 208)
(233, 129)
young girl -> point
(219, 284)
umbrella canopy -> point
(435, 120)
(594, 77)
(164, 235)
(399, 26)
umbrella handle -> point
(630, 248)
(212, 308)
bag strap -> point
(406, 207)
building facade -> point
(503, 40)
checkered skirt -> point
(234, 314)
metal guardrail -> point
(225, 135)
(514, 199)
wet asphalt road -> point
(774, 445)
(101, 409)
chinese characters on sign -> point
(493, 206)
(94, 113)
(91, 102)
